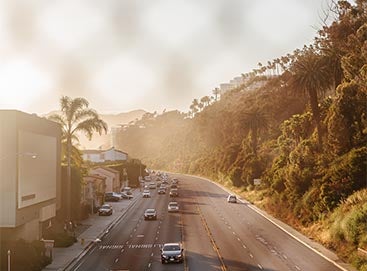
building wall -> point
(113, 155)
(30, 172)
(112, 179)
(8, 168)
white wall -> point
(7, 169)
(113, 155)
(36, 175)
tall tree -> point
(255, 121)
(76, 117)
(311, 77)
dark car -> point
(150, 214)
(172, 253)
(173, 192)
(112, 196)
(105, 209)
(162, 190)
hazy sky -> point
(140, 54)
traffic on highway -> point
(198, 227)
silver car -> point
(173, 207)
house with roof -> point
(100, 156)
(112, 178)
(93, 190)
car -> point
(174, 181)
(173, 207)
(162, 190)
(146, 194)
(232, 199)
(172, 253)
(152, 186)
(126, 196)
(127, 190)
(173, 192)
(105, 209)
(112, 196)
(150, 214)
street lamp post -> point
(8, 259)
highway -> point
(216, 235)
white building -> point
(112, 176)
(30, 174)
(99, 156)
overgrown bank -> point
(302, 130)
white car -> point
(173, 207)
(232, 199)
(150, 213)
(146, 194)
(172, 253)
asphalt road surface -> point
(216, 235)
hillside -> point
(303, 133)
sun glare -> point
(20, 83)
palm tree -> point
(311, 77)
(205, 100)
(255, 121)
(76, 117)
(216, 93)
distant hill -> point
(104, 141)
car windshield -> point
(105, 207)
(171, 248)
(173, 204)
(150, 211)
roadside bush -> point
(25, 256)
(61, 237)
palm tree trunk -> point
(68, 181)
(316, 114)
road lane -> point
(216, 236)
(240, 233)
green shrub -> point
(25, 256)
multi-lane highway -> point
(216, 235)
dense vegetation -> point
(302, 131)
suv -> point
(172, 253)
(146, 194)
(150, 214)
(232, 199)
